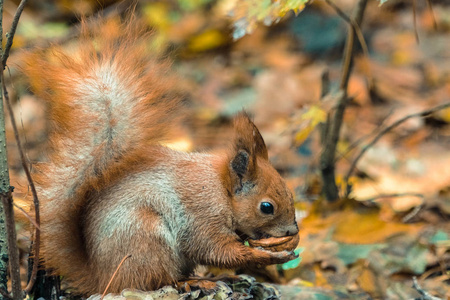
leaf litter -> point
(371, 245)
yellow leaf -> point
(315, 114)
(309, 120)
(207, 40)
(303, 134)
(157, 15)
(445, 115)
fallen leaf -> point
(207, 40)
(367, 228)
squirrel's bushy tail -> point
(107, 98)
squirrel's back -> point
(110, 102)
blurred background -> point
(234, 55)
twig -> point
(325, 86)
(328, 155)
(425, 295)
(416, 34)
(353, 23)
(349, 47)
(365, 50)
(412, 214)
(6, 197)
(13, 251)
(395, 195)
(358, 32)
(431, 271)
(27, 216)
(324, 91)
(12, 32)
(361, 139)
(4, 184)
(114, 275)
(33, 188)
(19, 146)
(339, 11)
(384, 131)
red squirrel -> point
(110, 189)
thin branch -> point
(355, 26)
(27, 216)
(33, 190)
(325, 83)
(32, 186)
(8, 202)
(6, 197)
(431, 271)
(386, 130)
(324, 91)
(395, 195)
(4, 184)
(425, 295)
(361, 139)
(339, 11)
(114, 275)
(13, 250)
(366, 55)
(349, 47)
(12, 32)
(412, 214)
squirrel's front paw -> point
(283, 257)
(265, 257)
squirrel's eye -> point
(267, 208)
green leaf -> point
(293, 263)
(350, 253)
(439, 236)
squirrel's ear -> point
(248, 145)
(248, 138)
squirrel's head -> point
(262, 204)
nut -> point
(276, 244)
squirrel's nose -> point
(292, 229)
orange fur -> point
(109, 189)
